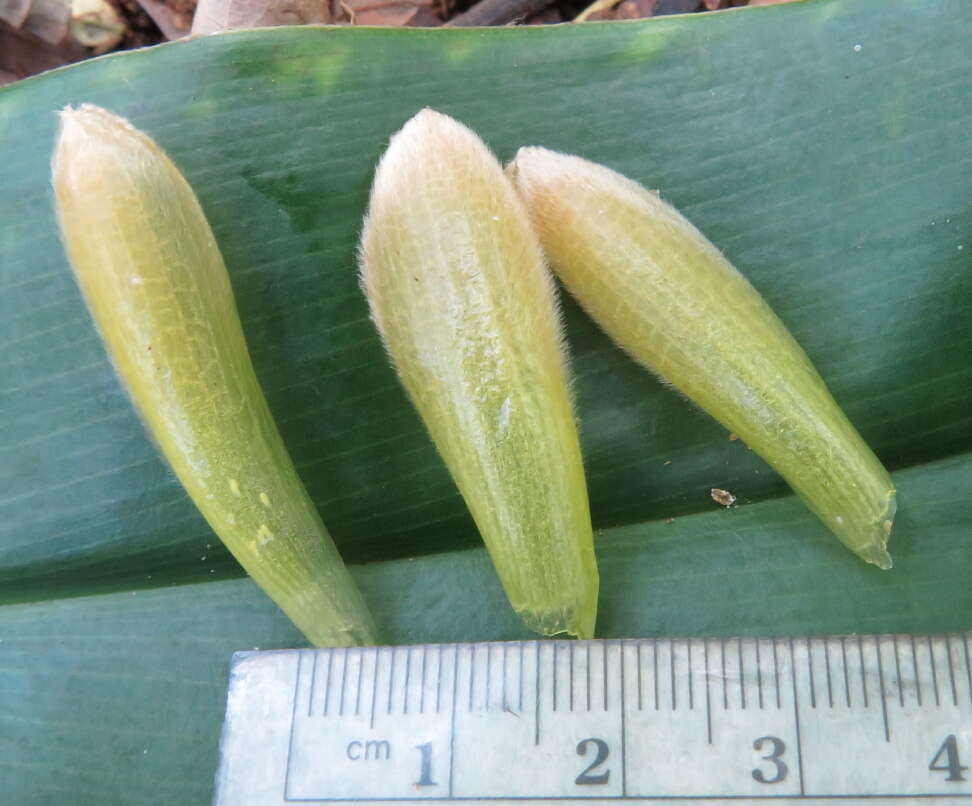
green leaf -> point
(822, 145)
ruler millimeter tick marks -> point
(847, 717)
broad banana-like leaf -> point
(822, 145)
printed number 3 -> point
(588, 776)
(773, 757)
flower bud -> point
(467, 311)
(154, 281)
(666, 295)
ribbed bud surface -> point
(154, 281)
(666, 295)
(459, 291)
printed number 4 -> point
(948, 753)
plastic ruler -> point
(829, 719)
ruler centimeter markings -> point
(827, 718)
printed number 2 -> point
(778, 750)
(587, 777)
(948, 753)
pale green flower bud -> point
(154, 281)
(458, 289)
(666, 295)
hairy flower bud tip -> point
(154, 280)
(667, 296)
(458, 288)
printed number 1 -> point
(425, 776)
